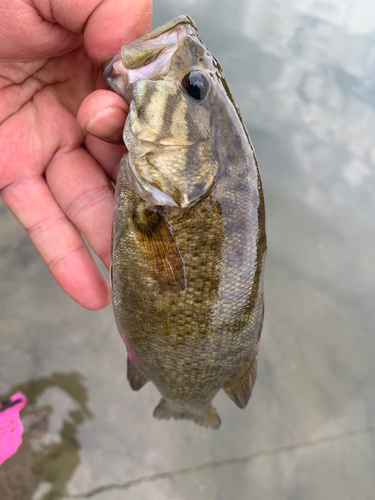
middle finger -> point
(86, 195)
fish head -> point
(169, 78)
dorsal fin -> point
(240, 386)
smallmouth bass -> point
(188, 241)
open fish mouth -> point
(147, 57)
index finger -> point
(106, 25)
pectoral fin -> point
(239, 387)
(159, 247)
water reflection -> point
(49, 454)
(305, 71)
(324, 92)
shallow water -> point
(302, 74)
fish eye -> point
(195, 85)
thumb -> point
(103, 114)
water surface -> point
(302, 73)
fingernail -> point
(119, 141)
(107, 124)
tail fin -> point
(206, 417)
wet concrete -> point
(302, 75)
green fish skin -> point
(188, 242)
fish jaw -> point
(147, 57)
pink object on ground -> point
(10, 425)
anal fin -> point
(239, 388)
(135, 377)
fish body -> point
(188, 243)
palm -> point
(41, 102)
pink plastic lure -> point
(10, 425)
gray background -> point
(302, 74)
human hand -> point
(55, 178)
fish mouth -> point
(148, 56)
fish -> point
(188, 238)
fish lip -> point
(116, 75)
(114, 65)
(107, 67)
